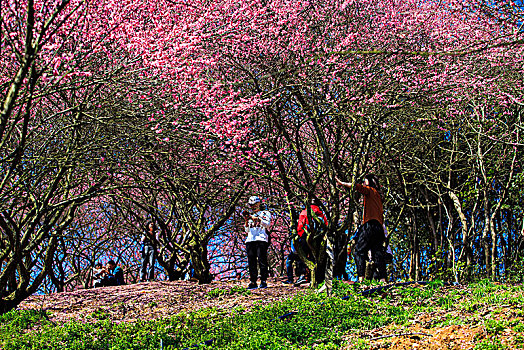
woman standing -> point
(148, 241)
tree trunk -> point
(466, 252)
(173, 263)
(494, 245)
(485, 238)
(174, 273)
(200, 262)
(414, 271)
(315, 266)
(7, 305)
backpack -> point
(315, 225)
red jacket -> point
(303, 221)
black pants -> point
(301, 267)
(301, 241)
(370, 236)
(257, 251)
(109, 281)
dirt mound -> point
(152, 300)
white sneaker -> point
(321, 289)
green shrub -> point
(100, 314)
(22, 319)
(515, 273)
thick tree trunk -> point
(311, 265)
(7, 305)
(172, 261)
(317, 265)
(200, 262)
(174, 274)
(26, 285)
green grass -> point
(218, 292)
(320, 322)
(490, 344)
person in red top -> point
(370, 235)
(302, 227)
(303, 221)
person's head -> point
(254, 203)
(371, 181)
(98, 265)
(315, 201)
(111, 264)
(151, 226)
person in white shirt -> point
(256, 223)
(99, 273)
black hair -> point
(111, 262)
(98, 264)
(373, 181)
(151, 222)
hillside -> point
(171, 315)
(153, 300)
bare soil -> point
(151, 300)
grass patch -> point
(219, 292)
(490, 344)
(320, 322)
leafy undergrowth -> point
(483, 315)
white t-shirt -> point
(258, 233)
